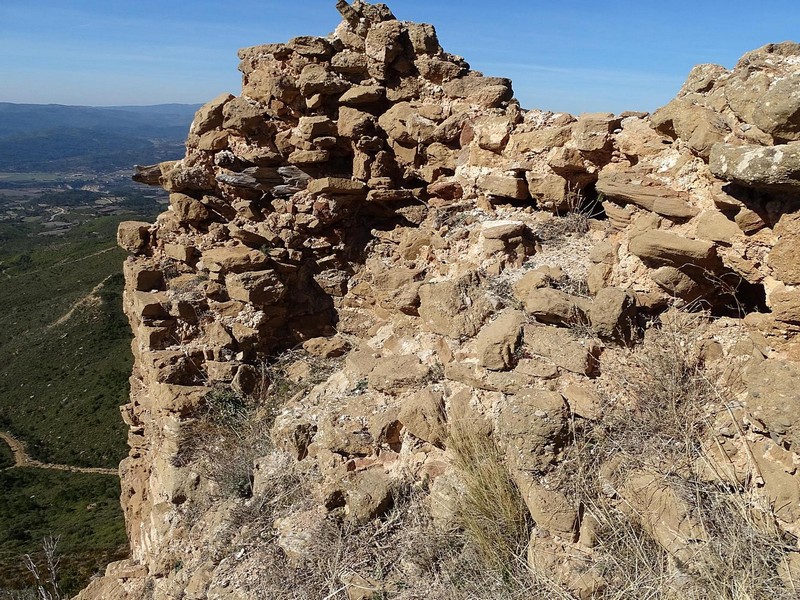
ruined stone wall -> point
(369, 188)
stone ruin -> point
(369, 196)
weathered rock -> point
(422, 414)
(778, 113)
(661, 247)
(367, 495)
(677, 283)
(505, 186)
(209, 116)
(716, 227)
(556, 307)
(583, 401)
(454, 308)
(550, 509)
(363, 94)
(774, 398)
(234, 259)
(488, 92)
(336, 185)
(591, 133)
(133, 236)
(773, 167)
(784, 259)
(613, 314)
(532, 425)
(664, 515)
(406, 125)
(260, 288)
(496, 342)
(331, 347)
(395, 374)
(644, 193)
(188, 209)
(698, 126)
(316, 79)
(561, 348)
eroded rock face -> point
(370, 199)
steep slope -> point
(389, 307)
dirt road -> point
(22, 459)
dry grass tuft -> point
(665, 397)
(492, 513)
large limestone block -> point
(784, 258)
(551, 191)
(505, 186)
(454, 308)
(367, 495)
(395, 374)
(239, 114)
(551, 510)
(554, 306)
(311, 47)
(761, 90)
(562, 348)
(133, 236)
(677, 283)
(698, 126)
(354, 123)
(627, 187)
(142, 276)
(584, 401)
(770, 167)
(773, 398)
(437, 70)
(532, 426)
(404, 124)
(317, 79)
(363, 94)
(665, 248)
(309, 128)
(189, 210)
(591, 133)
(778, 113)
(349, 62)
(308, 157)
(255, 287)
(234, 259)
(663, 514)
(497, 341)
(716, 227)
(491, 133)
(336, 185)
(423, 38)
(422, 414)
(537, 141)
(150, 304)
(209, 116)
(385, 41)
(489, 92)
(613, 314)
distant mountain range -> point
(55, 138)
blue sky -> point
(577, 56)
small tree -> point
(46, 582)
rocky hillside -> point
(398, 337)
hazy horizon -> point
(577, 57)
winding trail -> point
(62, 263)
(23, 459)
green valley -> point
(64, 187)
